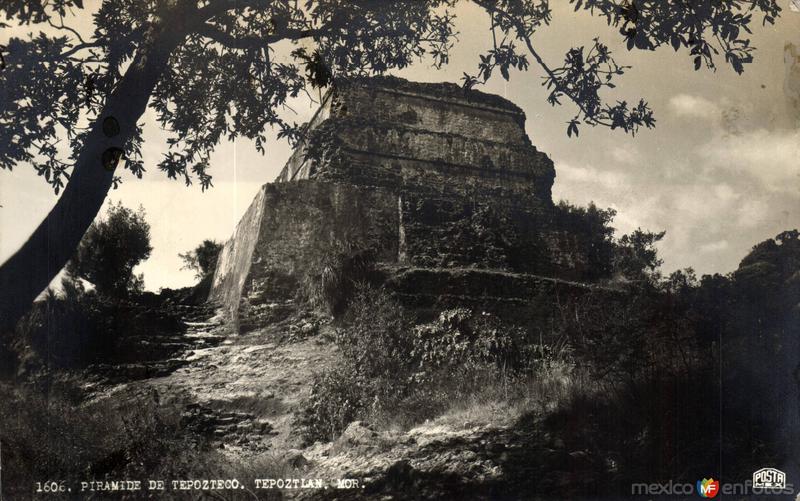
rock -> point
(399, 474)
(295, 459)
(357, 433)
(262, 426)
(497, 447)
(409, 440)
(581, 460)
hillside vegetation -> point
(629, 384)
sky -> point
(720, 172)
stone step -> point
(119, 373)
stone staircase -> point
(234, 428)
(160, 354)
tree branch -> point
(521, 34)
(80, 47)
(62, 26)
(217, 7)
(250, 42)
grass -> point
(491, 399)
(48, 437)
(256, 405)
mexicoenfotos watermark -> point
(764, 481)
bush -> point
(375, 371)
(636, 257)
(630, 335)
(392, 370)
(203, 259)
(50, 438)
(462, 338)
(395, 370)
(47, 437)
(332, 283)
(588, 240)
(336, 401)
(110, 249)
(77, 328)
(377, 344)
(61, 332)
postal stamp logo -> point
(769, 478)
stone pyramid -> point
(444, 187)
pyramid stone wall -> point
(433, 137)
(261, 269)
(437, 182)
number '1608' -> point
(51, 486)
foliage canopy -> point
(110, 249)
(202, 259)
(224, 77)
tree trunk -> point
(29, 271)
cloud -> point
(686, 105)
(605, 178)
(711, 219)
(714, 246)
(753, 213)
(770, 157)
(626, 154)
(608, 188)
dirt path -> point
(242, 391)
(239, 390)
